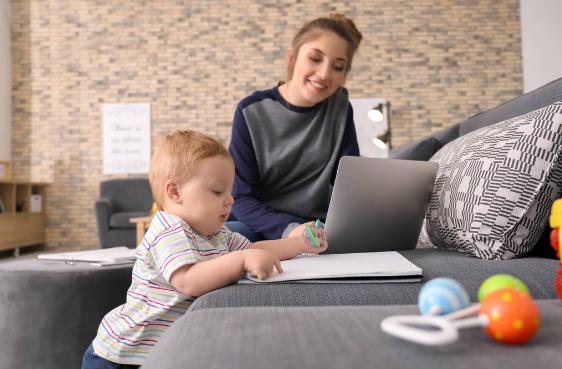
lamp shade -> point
(375, 115)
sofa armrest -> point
(104, 210)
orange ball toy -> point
(513, 316)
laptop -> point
(378, 204)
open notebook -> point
(99, 257)
(363, 267)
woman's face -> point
(320, 67)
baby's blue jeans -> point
(93, 361)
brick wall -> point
(436, 61)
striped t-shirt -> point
(128, 332)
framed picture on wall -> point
(5, 171)
(126, 138)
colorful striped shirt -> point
(128, 332)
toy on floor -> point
(314, 233)
(506, 311)
(555, 239)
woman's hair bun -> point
(349, 25)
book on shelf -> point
(363, 267)
(99, 257)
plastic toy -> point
(499, 281)
(555, 241)
(313, 233)
(441, 296)
(509, 315)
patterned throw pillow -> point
(495, 186)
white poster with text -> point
(126, 138)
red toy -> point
(555, 241)
(512, 316)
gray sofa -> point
(336, 337)
(289, 325)
(320, 325)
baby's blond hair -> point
(177, 157)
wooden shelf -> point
(22, 216)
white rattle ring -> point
(404, 326)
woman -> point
(287, 141)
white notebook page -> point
(353, 265)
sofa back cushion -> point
(424, 148)
(495, 186)
(533, 100)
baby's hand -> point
(259, 263)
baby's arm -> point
(288, 248)
(205, 276)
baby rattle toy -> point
(506, 311)
(555, 239)
(313, 233)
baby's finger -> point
(278, 266)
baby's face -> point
(206, 197)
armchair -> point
(121, 200)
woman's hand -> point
(310, 248)
(300, 229)
(259, 263)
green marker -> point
(312, 237)
(318, 224)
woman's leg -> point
(244, 230)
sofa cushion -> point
(424, 148)
(334, 337)
(532, 100)
(421, 149)
(495, 186)
(127, 194)
(537, 273)
(50, 311)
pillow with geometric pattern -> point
(495, 186)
